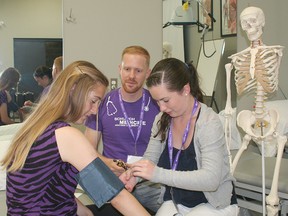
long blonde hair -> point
(64, 102)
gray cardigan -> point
(213, 175)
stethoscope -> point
(146, 108)
(112, 110)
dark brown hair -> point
(9, 78)
(175, 74)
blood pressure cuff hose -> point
(99, 182)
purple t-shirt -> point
(118, 142)
(46, 184)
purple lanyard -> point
(184, 138)
(127, 120)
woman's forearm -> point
(82, 210)
(128, 205)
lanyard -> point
(127, 120)
(174, 163)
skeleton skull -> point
(167, 49)
(252, 21)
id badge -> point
(132, 158)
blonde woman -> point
(47, 155)
(57, 67)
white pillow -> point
(11, 129)
(281, 106)
(4, 145)
(7, 133)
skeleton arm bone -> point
(228, 111)
(228, 107)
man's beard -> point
(128, 89)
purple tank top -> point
(46, 184)
(3, 100)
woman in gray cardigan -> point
(187, 151)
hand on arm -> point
(143, 169)
(117, 170)
(128, 180)
(28, 103)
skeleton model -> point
(167, 50)
(256, 68)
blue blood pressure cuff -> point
(99, 182)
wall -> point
(27, 19)
(102, 29)
(42, 19)
(107, 29)
(193, 45)
(172, 35)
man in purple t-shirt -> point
(125, 120)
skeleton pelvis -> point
(258, 128)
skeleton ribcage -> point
(264, 71)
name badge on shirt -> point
(132, 158)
